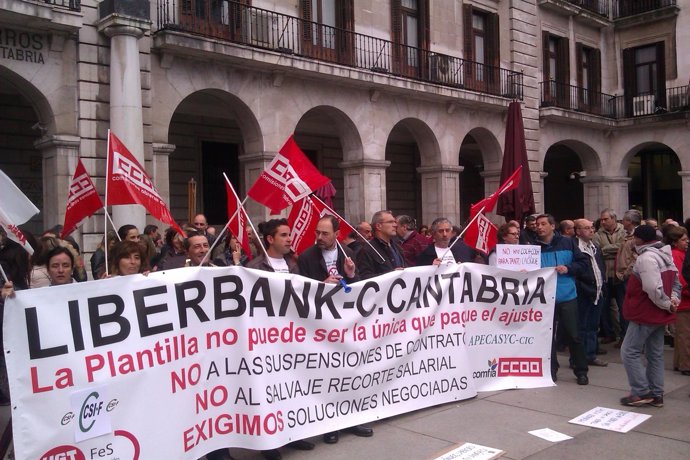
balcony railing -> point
(625, 8)
(600, 7)
(239, 23)
(579, 99)
(74, 5)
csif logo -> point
(64, 452)
(90, 409)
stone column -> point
(601, 192)
(685, 190)
(60, 156)
(440, 192)
(254, 164)
(161, 170)
(365, 188)
(125, 22)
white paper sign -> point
(618, 420)
(90, 409)
(550, 435)
(518, 257)
(468, 451)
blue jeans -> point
(649, 338)
(588, 323)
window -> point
(481, 47)
(588, 78)
(644, 83)
(410, 31)
(327, 32)
(556, 71)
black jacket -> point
(586, 281)
(369, 263)
(312, 265)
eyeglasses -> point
(199, 224)
(513, 234)
(388, 221)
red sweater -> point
(678, 258)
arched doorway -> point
(563, 190)
(404, 149)
(471, 181)
(655, 186)
(20, 127)
(208, 130)
(327, 135)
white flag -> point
(15, 209)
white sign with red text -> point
(187, 361)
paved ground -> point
(502, 419)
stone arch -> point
(424, 137)
(329, 137)
(210, 129)
(489, 146)
(588, 156)
(33, 95)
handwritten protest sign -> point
(184, 362)
(518, 257)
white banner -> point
(183, 362)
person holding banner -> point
(128, 258)
(278, 259)
(323, 261)
(563, 254)
(508, 233)
(278, 256)
(384, 254)
(437, 253)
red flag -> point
(83, 200)
(489, 202)
(304, 216)
(481, 234)
(238, 224)
(287, 179)
(128, 183)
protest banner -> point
(183, 362)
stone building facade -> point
(402, 103)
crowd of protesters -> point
(619, 280)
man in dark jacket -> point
(324, 261)
(563, 254)
(437, 252)
(384, 254)
(591, 290)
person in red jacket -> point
(651, 299)
(677, 237)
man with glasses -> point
(384, 254)
(591, 291)
(201, 225)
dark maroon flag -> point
(518, 202)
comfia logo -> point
(488, 373)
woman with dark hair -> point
(128, 232)
(128, 258)
(232, 254)
(508, 233)
(60, 262)
(173, 254)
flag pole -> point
(459, 237)
(353, 227)
(105, 205)
(227, 224)
(4, 275)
